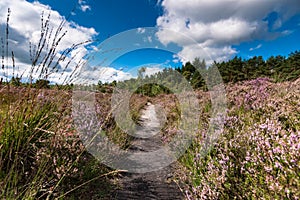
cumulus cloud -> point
(25, 28)
(152, 70)
(217, 25)
(104, 74)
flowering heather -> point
(250, 94)
(257, 154)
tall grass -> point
(22, 132)
(41, 155)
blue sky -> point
(109, 17)
(216, 30)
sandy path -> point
(150, 185)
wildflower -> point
(278, 165)
(268, 169)
(247, 158)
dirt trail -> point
(150, 185)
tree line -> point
(198, 74)
(278, 68)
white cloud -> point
(176, 59)
(141, 30)
(94, 48)
(189, 52)
(152, 70)
(287, 32)
(158, 3)
(217, 25)
(83, 6)
(257, 47)
(25, 28)
(148, 39)
(104, 74)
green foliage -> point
(42, 83)
(235, 70)
(152, 90)
(21, 135)
(15, 81)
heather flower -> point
(258, 149)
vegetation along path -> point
(150, 185)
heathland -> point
(255, 156)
